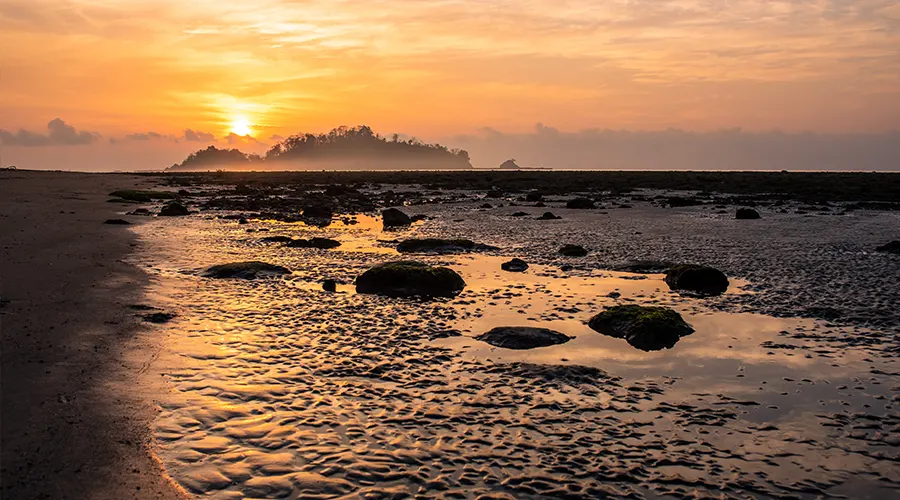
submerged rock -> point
(892, 247)
(276, 239)
(410, 278)
(522, 337)
(703, 280)
(643, 266)
(440, 245)
(158, 317)
(548, 216)
(173, 209)
(245, 270)
(573, 251)
(746, 213)
(320, 243)
(515, 265)
(580, 203)
(393, 217)
(118, 222)
(645, 328)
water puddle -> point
(280, 389)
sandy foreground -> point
(76, 400)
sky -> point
(126, 84)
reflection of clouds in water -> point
(282, 389)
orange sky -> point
(445, 67)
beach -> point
(71, 346)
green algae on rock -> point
(648, 328)
(407, 278)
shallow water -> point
(282, 390)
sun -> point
(241, 126)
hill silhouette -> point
(343, 148)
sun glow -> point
(241, 126)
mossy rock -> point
(440, 245)
(573, 251)
(245, 270)
(142, 196)
(522, 337)
(702, 280)
(648, 328)
(410, 278)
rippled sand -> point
(280, 389)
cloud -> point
(675, 149)
(197, 136)
(59, 133)
(149, 136)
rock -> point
(534, 196)
(329, 285)
(276, 239)
(515, 266)
(519, 214)
(540, 204)
(418, 217)
(892, 247)
(580, 203)
(142, 196)
(173, 209)
(643, 266)
(158, 317)
(392, 217)
(139, 211)
(495, 193)
(522, 337)
(677, 201)
(118, 222)
(243, 220)
(410, 278)
(320, 243)
(703, 280)
(439, 245)
(644, 328)
(245, 270)
(487, 205)
(548, 216)
(573, 251)
(746, 213)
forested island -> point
(343, 148)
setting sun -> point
(241, 126)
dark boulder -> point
(392, 217)
(644, 328)
(276, 239)
(519, 214)
(702, 280)
(677, 201)
(522, 337)
(158, 317)
(892, 247)
(486, 206)
(329, 285)
(549, 216)
(746, 214)
(515, 266)
(118, 222)
(440, 245)
(245, 270)
(534, 196)
(495, 193)
(173, 209)
(410, 278)
(580, 203)
(573, 251)
(320, 243)
(139, 211)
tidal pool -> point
(282, 390)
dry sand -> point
(76, 401)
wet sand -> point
(76, 398)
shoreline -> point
(76, 407)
